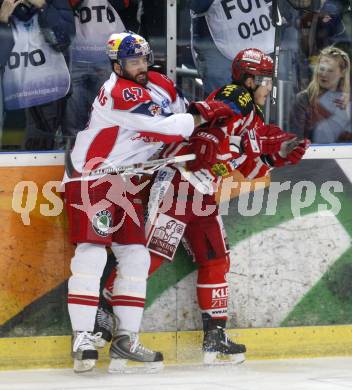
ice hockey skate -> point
(84, 351)
(219, 349)
(105, 323)
(126, 347)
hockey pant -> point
(87, 265)
(204, 235)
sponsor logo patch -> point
(219, 169)
(165, 236)
(102, 222)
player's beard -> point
(141, 78)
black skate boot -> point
(126, 346)
(84, 351)
(217, 347)
(105, 323)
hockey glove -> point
(250, 144)
(290, 154)
(267, 139)
(205, 144)
(273, 138)
(213, 111)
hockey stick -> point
(321, 151)
(146, 168)
(277, 22)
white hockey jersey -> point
(129, 123)
(95, 21)
(235, 26)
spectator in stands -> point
(95, 21)
(34, 35)
(152, 17)
(320, 26)
(220, 30)
(1, 109)
(322, 112)
(331, 28)
(6, 9)
(131, 14)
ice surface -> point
(298, 374)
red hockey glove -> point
(250, 144)
(267, 139)
(213, 111)
(205, 144)
(272, 138)
(291, 153)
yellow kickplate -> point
(185, 347)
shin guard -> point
(212, 287)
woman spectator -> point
(322, 112)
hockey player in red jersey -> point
(180, 194)
(134, 114)
(246, 144)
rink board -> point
(185, 347)
(34, 270)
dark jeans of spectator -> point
(1, 110)
(86, 80)
(212, 66)
(43, 125)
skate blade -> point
(80, 366)
(120, 366)
(215, 358)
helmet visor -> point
(149, 57)
(264, 81)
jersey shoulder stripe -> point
(164, 82)
(127, 94)
(150, 109)
(237, 97)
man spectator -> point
(95, 21)
(35, 35)
(220, 29)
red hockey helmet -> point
(251, 62)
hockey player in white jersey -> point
(134, 114)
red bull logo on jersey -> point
(155, 109)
